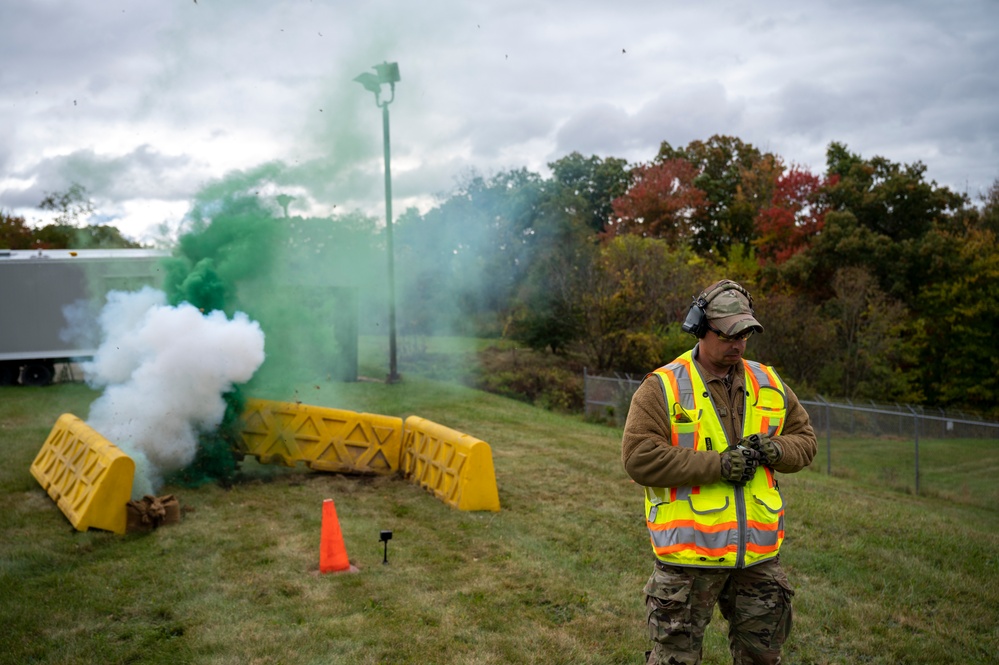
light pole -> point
(387, 72)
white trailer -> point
(49, 301)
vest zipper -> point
(740, 515)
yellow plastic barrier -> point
(325, 439)
(456, 467)
(89, 477)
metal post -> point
(828, 439)
(828, 435)
(393, 375)
(915, 429)
(915, 419)
(387, 73)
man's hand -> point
(738, 465)
(769, 451)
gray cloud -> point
(156, 99)
(679, 117)
(143, 173)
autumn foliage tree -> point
(14, 232)
(796, 214)
(873, 282)
(736, 177)
(661, 202)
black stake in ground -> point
(386, 536)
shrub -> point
(537, 377)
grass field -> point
(881, 576)
(956, 470)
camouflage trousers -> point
(756, 602)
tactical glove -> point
(769, 451)
(738, 465)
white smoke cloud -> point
(164, 370)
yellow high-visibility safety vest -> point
(719, 525)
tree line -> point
(872, 281)
(68, 228)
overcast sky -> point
(145, 103)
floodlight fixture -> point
(386, 73)
(370, 82)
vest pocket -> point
(771, 409)
(770, 499)
(654, 498)
(685, 434)
(705, 504)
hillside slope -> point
(554, 577)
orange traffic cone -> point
(332, 554)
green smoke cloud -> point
(306, 281)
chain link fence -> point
(607, 398)
(873, 442)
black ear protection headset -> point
(696, 322)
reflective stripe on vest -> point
(719, 525)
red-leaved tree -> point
(795, 214)
(660, 203)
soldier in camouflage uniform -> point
(705, 436)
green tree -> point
(548, 314)
(635, 298)
(989, 215)
(890, 199)
(958, 361)
(741, 265)
(874, 214)
(69, 228)
(65, 236)
(797, 339)
(595, 182)
(735, 177)
(869, 340)
(842, 242)
(73, 206)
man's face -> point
(718, 354)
